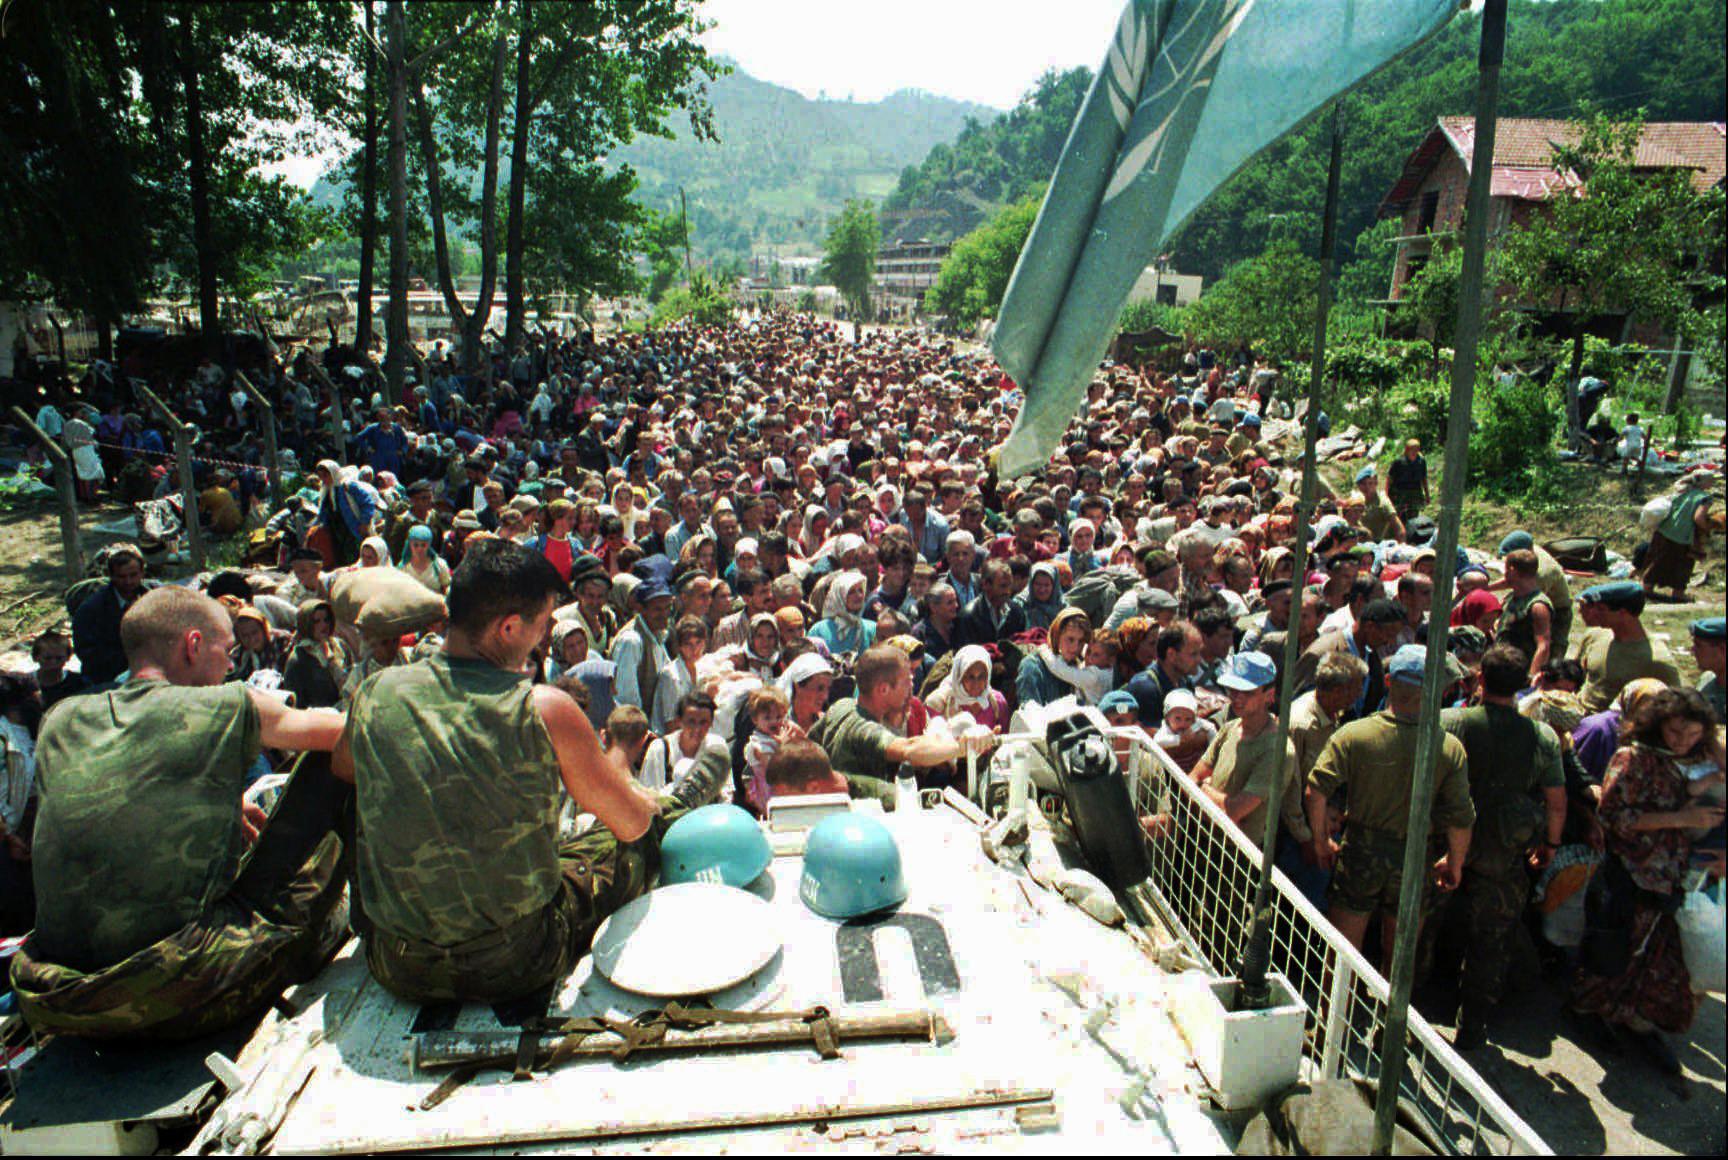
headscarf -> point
(1636, 692)
(1130, 635)
(418, 533)
(802, 669)
(790, 617)
(1474, 607)
(762, 666)
(247, 662)
(954, 689)
(1040, 613)
(1269, 560)
(834, 608)
(379, 548)
(561, 631)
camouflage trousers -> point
(277, 925)
(1493, 894)
(598, 874)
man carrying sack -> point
(458, 761)
(153, 919)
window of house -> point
(1430, 209)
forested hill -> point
(1662, 56)
(784, 163)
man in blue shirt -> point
(382, 443)
(1174, 664)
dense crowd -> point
(785, 555)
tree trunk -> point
(515, 306)
(105, 340)
(368, 195)
(476, 324)
(396, 311)
(198, 174)
(435, 210)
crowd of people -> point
(774, 558)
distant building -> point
(1429, 195)
(907, 269)
(1159, 283)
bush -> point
(1144, 313)
(702, 300)
(1512, 445)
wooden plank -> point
(267, 415)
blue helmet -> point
(717, 843)
(851, 867)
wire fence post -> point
(338, 435)
(183, 461)
(266, 415)
(71, 545)
(1429, 731)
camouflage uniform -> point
(1510, 756)
(150, 924)
(470, 895)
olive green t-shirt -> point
(1247, 766)
(856, 744)
(1377, 517)
(457, 787)
(1373, 760)
(138, 831)
(1609, 664)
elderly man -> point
(151, 921)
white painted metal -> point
(1247, 1056)
(693, 938)
(1104, 1045)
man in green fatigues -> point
(1510, 757)
(1240, 766)
(458, 761)
(1551, 577)
(1372, 760)
(1615, 648)
(860, 735)
(153, 918)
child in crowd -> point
(1185, 734)
(767, 708)
(1631, 443)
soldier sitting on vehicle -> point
(152, 919)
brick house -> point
(1429, 195)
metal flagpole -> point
(1430, 733)
(1254, 993)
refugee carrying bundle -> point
(383, 601)
(1096, 593)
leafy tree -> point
(849, 257)
(663, 240)
(1265, 303)
(1629, 243)
(703, 301)
(975, 274)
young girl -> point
(767, 708)
(967, 690)
(1185, 734)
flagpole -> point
(1430, 733)
(1254, 994)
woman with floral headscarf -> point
(1137, 640)
(257, 646)
(841, 628)
(1056, 669)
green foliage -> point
(1627, 245)
(703, 302)
(1144, 313)
(1512, 445)
(989, 165)
(1265, 303)
(849, 254)
(975, 274)
(807, 302)
(1365, 272)
(661, 238)
(1664, 56)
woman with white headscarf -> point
(806, 683)
(967, 690)
(841, 628)
(1042, 600)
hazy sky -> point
(988, 51)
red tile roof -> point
(1524, 150)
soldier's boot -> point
(1472, 1030)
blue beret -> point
(1250, 420)
(1517, 542)
(1408, 663)
(1618, 594)
(1711, 628)
(1365, 473)
(1119, 701)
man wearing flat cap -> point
(1710, 650)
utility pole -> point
(684, 223)
(1429, 731)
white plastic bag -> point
(1704, 941)
(1654, 513)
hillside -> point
(1664, 56)
(784, 163)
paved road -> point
(1585, 1100)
